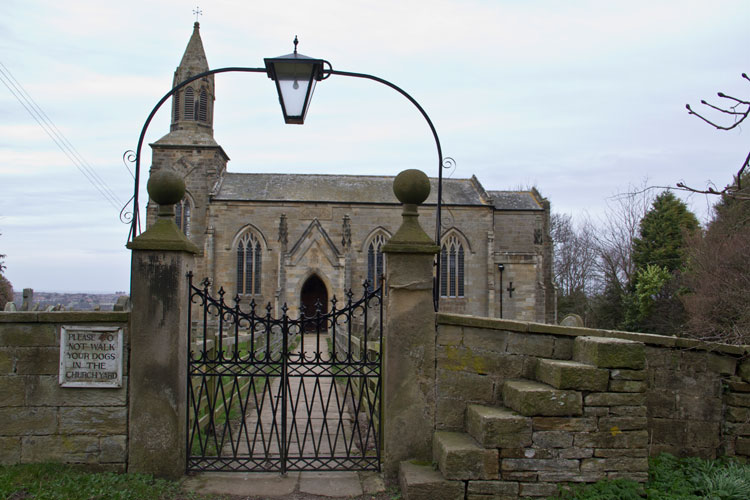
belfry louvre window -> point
(375, 260)
(176, 107)
(249, 265)
(202, 106)
(452, 258)
(182, 215)
(189, 104)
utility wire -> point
(44, 121)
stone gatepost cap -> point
(411, 187)
(165, 187)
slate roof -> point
(356, 189)
(514, 200)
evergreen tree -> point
(608, 306)
(663, 233)
(659, 257)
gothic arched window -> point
(203, 106)
(182, 215)
(375, 259)
(189, 104)
(249, 264)
(452, 256)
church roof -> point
(359, 189)
(514, 200)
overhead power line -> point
(45, 122)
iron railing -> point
(283, 394)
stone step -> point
(609, 352)
(572, 375)
(422, 482)
(535, 399)
(496, 427)
(459, 457)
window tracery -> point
(249, 264)
(452, 266)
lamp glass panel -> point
(294, 98)
(293, 80)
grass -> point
(63, 482)
(672, 478)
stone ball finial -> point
(411, 186)
(166, 187)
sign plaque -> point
(91, 356)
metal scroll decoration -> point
(126, 216)
(288, 393)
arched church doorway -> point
(314, 294)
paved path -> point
(293, 484)
(314, 425)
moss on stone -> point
(163, 235)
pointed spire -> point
(194, 60)
(193, 105)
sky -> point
(581, 99)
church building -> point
(298, 239)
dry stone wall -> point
(522, 407)
(40, 421)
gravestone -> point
(28, 297)
(572, 320)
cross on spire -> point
(198, 12)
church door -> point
(314, 295)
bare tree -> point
(737, 110)
(618, 230)
(575, 264)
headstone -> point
(37, 306)
(10, 307)
(122, 304)
(572, 320)
(28, 297)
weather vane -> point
(198, 12)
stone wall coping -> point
(572, 331)
(65, 317)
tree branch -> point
(734, 189)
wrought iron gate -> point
(283, 394)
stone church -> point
(298, 239)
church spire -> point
(194, 60)
(192, 106)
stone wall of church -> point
(317, 248)
(522, 246)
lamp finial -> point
(295, 43)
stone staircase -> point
(580, 420)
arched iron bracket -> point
(135, 222)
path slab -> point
(264, 484)
(330, 484)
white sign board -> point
(91, 356)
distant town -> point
(69, 301)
